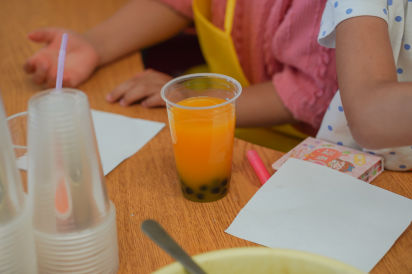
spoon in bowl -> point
(156, 232)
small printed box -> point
(353, 162)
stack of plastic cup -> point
(17, 253)
(74, 222)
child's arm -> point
(138, 24)
(378, 107)
(260, 105)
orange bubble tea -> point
(203, 146)
(201, 111)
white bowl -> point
(262, 260)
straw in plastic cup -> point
(201, 111)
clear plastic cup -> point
(90, 251)
(201, 112)
(66, 185)
(17, 253)
(17, 124)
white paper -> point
(313, 208)
(118, 137)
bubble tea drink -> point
(201, 111)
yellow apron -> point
(220, 54)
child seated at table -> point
(373, 109)
(270, 46)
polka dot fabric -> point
(398, 16)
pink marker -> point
(258, 166)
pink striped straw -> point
(60, 64)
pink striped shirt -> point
(276, 40)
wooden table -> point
(145, 185)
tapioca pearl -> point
(203, 188)
(215, 190)
(188, 190)
(224, 182)
(200, 196)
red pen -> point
(258, 166)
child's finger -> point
(68, 81)
(29, 66)
(129, 98)
(118, 92)
(153, 101)
(135, 94)
(45, 35)
(40, 73)
(51, 80)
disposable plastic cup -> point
(73, 219)
(84, 257)
(81, 237)
(84, 238)
(17, 124)
(73, 254)
(89, 266)
(83, 264)
(73, 266)
(77, 270)
(53, 250)
(201, 112)
(72, 249)
(90, 239)
(17, 253)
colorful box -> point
(353, 162)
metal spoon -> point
(156, 232)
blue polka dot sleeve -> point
(337, 11)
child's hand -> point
(81, 58)
(144, 88)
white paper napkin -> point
(313, 208)
(118, 137)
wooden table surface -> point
(145, 185)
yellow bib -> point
(220, 54)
